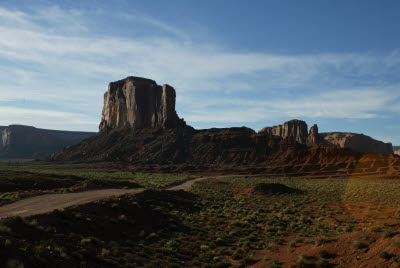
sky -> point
(232, 63)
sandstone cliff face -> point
(293, 128)
(139, 103)
(396, 150)
(357, 142)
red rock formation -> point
(293, 128)
(313, 136)
(145, 130)
(396, 150)
(357, 142)
(138, 103)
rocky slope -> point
(140, 126)
(25, 142)
(357, 142)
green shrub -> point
(5, 230)
(105, 252)
(204, 248)
(14, 264)
(7, 243)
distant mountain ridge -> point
(26, 142)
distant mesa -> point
(25, 142)
(357, 142)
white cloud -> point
(46, 118)
(347, 104)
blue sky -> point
(232, 63)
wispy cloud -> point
(46, 118)
(347, 104)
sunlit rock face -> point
(138, 103)
(357, 142)
(293, 128)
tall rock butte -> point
(139, 103)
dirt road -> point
(49, 202)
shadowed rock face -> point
(293, 128)
(357, 142)
(139, 103)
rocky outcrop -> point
(356, 142)
(24, 142)
(396, 150)
(294, 128)
(139, 103)
(313, 136)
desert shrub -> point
(302, 260)
(322, 263)
(5, 230)
(204, 248)
(359, 245)
(7, 243)
(90, 240)
(12, 263)
(323, 253)
(384, 255)
(224, 264)
(389, 233)
(238, 254)
(104, 252)
(274, 264)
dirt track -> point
(49, 202)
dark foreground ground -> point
(351, 221)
